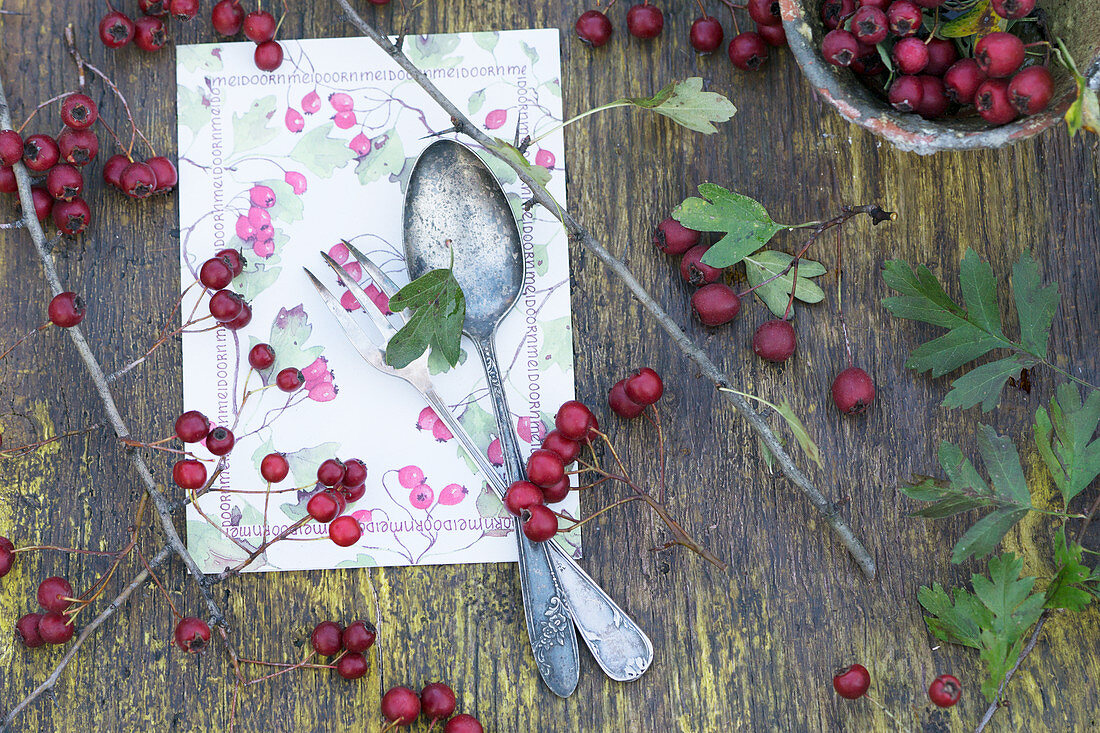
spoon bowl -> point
(455, 206)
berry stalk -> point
(581, 235)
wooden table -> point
(751, 650)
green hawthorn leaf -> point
(984, 384)
(745, 223)
(776, 294)
(1084, 113)
(1067, 588)
(947, 353)
(1035, 305)
(686, 104)
(984, 536)
(978, 20)
(955, 620)
(1065, 439)
(411, 341)
(979, 293)
(1002, 462)
(511, 152)
(800, 433)
(439, 310)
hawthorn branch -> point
(996, 704)
(579, 234)
(99, 381)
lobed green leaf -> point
(746, 224)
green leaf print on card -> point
(433, 52)
(252, 129)
(384, 161)
(289, 333)
(194, 58)
(557, 344)
(192, 108)
(322, 153)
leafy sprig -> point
(975, 328)
(1064, 436)
(439, 310)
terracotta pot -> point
(1075, 21)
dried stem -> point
(580, 235)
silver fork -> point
(617, 643)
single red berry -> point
(564, 447)
(645, 21)
(27, 628)
(220, 441)
(78, 147)
(645, 387)
(539, 523)
(150, 34)
(622, 405)
(268, 56)
(715, 304)
(261, 357)
(274, 467)
(138, 180)
(934, 101)
(71, 217)
(240, 321)
(706, 35)
(7, 559)
(330, 472)
(11, 147)
(747, 51)
(5, 543)
(572, 420)
(853, 391)
(905, 18)
(522, 495)
(593, 28)
(1012, 9)
(910, 55)
(941, 54)
(192, 634)
(839, 47)
(153, 7)
(1030, 90)
(463, 724)
(234, 258)
(870, 25)
(673, 238)
(344, 531)
(192, 426)
(999, 54)
(64, 182)
(352, 666)
(359, 636)
(290, 379)
(545, 468)
(962, 80)
(852, 682)
(53, 594)
(184, 10)
(401, 705)
(259, 26)
(906, 93)
(165, 171)
(116, 29)
(66, 310)
(351, 493)
(696, 272)
(215, 274)
(557, 492)
(765, 12)
(993, 103)
(227, 16)
(325, 638)
(9, 185)
(773, 35)
(437, 700)
(55, 628)
(189, 474)
(930, 3)
(113, 168)
(355, 472)
(945, 691)
(225, 305)
(40, 153)
(43, 202)
(78, 111)
(774, 340)
(835, 12)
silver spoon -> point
(455, 207)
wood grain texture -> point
(750, 650)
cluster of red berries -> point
(643, 20)
(58, 161)
(547, 481)
(55, 625)
(853, 681)
(401, 706)
(150, 31)
(338, 484)
(140, 179)
(227, 307)
(629, 397)
(229, 19)
(929, 77)
(351, 643)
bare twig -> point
(579, 234)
